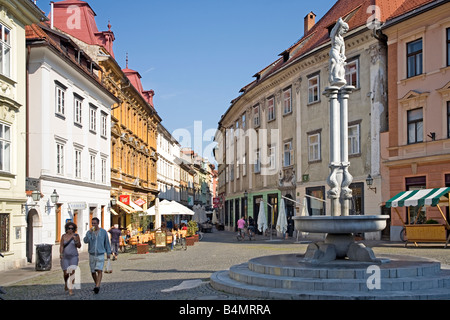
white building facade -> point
(168, 168)
(69, 140)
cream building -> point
(275, 136)
(14, 16)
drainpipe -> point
(27, 113)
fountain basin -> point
(340, 224)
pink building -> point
(416, 148)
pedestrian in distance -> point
(115, 240)
(241, 226)
(68, 254)
(98, 245)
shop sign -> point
(125, 199)
(140, 202)
(77, 205)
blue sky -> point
(198, 54)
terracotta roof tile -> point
(354, 12)
(38, 32)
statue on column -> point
(337, 54)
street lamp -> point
(369, 181)
(36, 196)
(54, 197)
(113, 201)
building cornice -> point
(314, 57)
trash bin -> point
(43, 257)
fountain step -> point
(241, 273)
(290, 265)
(222, 282)
(283, 277)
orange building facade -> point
(134, 120)
(416, 149)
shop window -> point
(316, 207)
(4, 232)
(415, 216)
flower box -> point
(190, 241)
(142, 248)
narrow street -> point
(153, 276)
(178, 275)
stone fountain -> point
(338, 267)
(340, 226)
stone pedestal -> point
(339, 242)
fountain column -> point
(346, 192)
(335, 177)
(339, 226)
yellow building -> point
(134, 120)
(133, 137)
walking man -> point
(98, 244)
(115, 240)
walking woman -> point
(68, 249)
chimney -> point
(52, 10)
(310, 21)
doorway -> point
(32, 224)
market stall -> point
(425, 232)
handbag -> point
(71, 239)
(108, 266)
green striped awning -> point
(427, 197)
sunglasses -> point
(70, 228)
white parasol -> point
(262, 219)
(282, 219)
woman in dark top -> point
(69, 245)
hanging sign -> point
(125, 199)
(140, 202)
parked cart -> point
(426, 232)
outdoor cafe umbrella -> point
(282, 220)
(167, 207)
(262, 219)
(214, 217)
(203, 217)
(157, 215)
(196, 213)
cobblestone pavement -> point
(155, 276)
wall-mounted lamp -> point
(54, 197)
(113, 201)
(36, 196)
(369, 181)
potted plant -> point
(192, 229)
